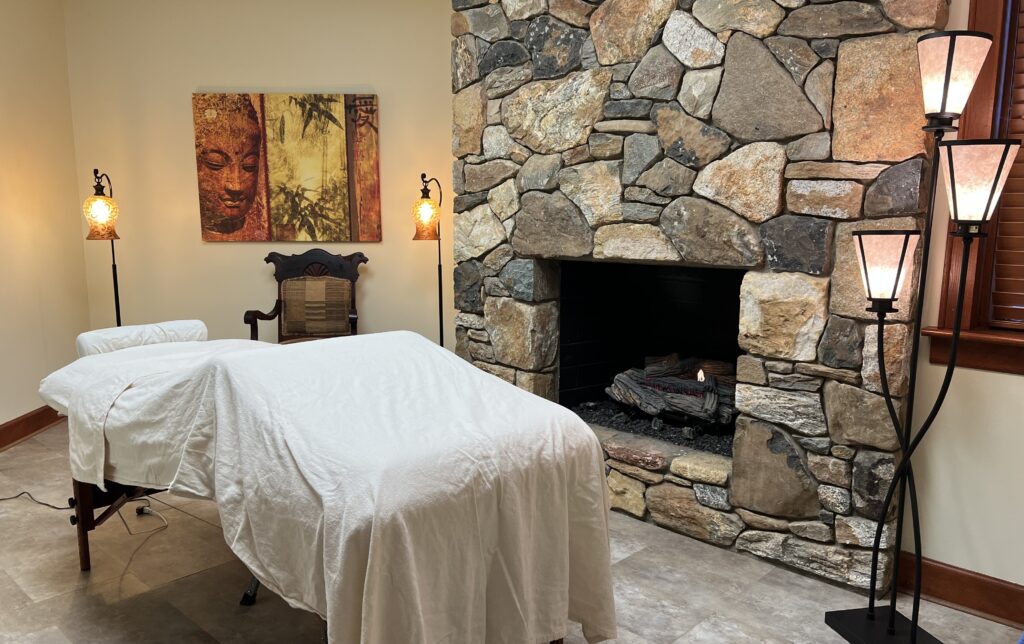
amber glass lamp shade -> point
(950, 63)
(886, 258)
(425, 213)
(101, 214)
(975, 173)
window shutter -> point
(1007, 309)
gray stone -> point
(770, 472)
(819, 89)
(465, 61)
(761, 521)
(550, 225)
(504, 199)
(480, 351)
(858, 531)
(630, 108)
(493, 112)
(872, 474)
(813, 147)
(697, 92)
(825, 47)
(644, 213)
(759, 100)
(838, 563)
(639, 152)
(897, 191)
(574, 12)
(468, 283)
(794, 243)
(825, 198)
(556, 115)
(623, 29)
(588, 55)
(801, 411)
(627, 494)
(540, 172)
(667, 177)
(605, 146)
(917, 14)
(712, 496)
(816, 445)
(677, 508)
(858, 417)
(638, 242)
(833, 20)
(577, 155)
(841, 343)
(879, 75)
(834, 471)
(834, 170)
(554, 47)
(835, 499)
(468, 120)
(459, 5)
(702, 467)
(847, 297)
(505, 80)
(498, 144)
(748, 181)
(778, 366)
(595, 188)
(794, 382)
(487, 175)
(756, 17)
(469, 320)
(476, 232)
(842, 375)
(524, 335)
(708, 234)
(622, 71)
(813, 530)
(897, 358)
(620, 91)
(488, 22)
(530, 280)
(505, 373)
(506, 53)
(458, 176)
(645, 195)
(657, 76)
(495, 261)
(520, 9)
(463, 203)
(686, 139)
(751, 370)
(844, 452)
(691, 43)
(795, 54)
(638, 473)
(519, 28)
(782, 315)
(626, 126)
(496, 288)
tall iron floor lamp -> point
(974, 174)
(101, 212)
(427, 215)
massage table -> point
(379, 481)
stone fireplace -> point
(730, 137)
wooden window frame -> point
(982, 346)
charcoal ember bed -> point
(609, 413)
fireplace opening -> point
(651, 349)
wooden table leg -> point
(83, 521)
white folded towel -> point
(122, 337)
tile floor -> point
(182, 584)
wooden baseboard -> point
(26, 425)
(970, 591)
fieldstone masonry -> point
(752, 134)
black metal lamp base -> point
(854, 626)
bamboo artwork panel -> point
(288, 167)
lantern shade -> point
(425, 214)
(950, 63)
(886, 258)
(101, 214)
(975, 173)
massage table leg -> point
(83, 520)
(249, 597)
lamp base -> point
(854, 626)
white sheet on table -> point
(123, 337)
(129, 411)
(403, 494)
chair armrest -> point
(252, 317)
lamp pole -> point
(427, 217)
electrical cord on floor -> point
(34, 500)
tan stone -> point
(596, 189)
(819, 87)
(770, 473)
(827, 469)
(476, 232)
(917, 14)
(897, 358)
(505, 373)
(858, 417)
(858, 531)
(524, 335)
(825, 198)
(748, 181)
(541, 384)
(556, 115)
(751, 370)
(640, 242)
(878, 110)
(639, 473)
(690, 42)
(799, 410)
(641, 451)
(813, 530)
(834, 562)
(626, 494)
(756, 17)
(847, 297)
(842, 375)
(625, 126)
(834, 170)
(762, 521)
(574, 12)
(623, 29)
(782, 315)
(703, 467)
(677, 508)
(469, 116)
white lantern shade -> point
(975, 173)
(950, 63)
(886, 258)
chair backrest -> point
(316, 293)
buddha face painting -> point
(228, 160)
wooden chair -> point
(316, 296)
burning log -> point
(702, 389)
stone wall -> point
(728, 133)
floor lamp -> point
(101, 213)
(974, 173)
(427, 215)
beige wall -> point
(970, 469)
(134, 66)
(42, 290)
